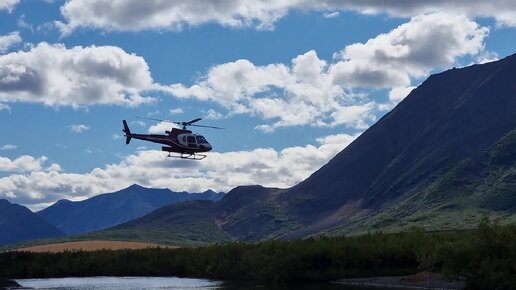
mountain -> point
(18, 223)
(440, 159)
(106, 210)
(476, 186)
(452, 116)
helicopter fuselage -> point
(177, 140)
(180, 141)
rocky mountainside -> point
(18, 223)
(443, 141)
(106, 210)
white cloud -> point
(8, 5)
(78, 128)
(23, 163)
(300, 94)
(161, 127)
(8, 147)
(213, 115)
(169, 15)
(219, 171)
(11, 39)
(409, 51)
(4, 107)
(331, 14)
(397, 94)
(176, 111)
(312, 92)
(261, 14)
(80, 76)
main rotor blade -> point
(161, 120)
(213, 127)
(184, 124)
(193, 121)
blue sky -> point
(292, 81)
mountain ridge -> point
(109, 209)
(18, 223)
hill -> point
(106, 210)
(441, 159)
(18, 223)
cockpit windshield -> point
(201, 140)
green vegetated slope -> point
(245, 213)
(458, 198)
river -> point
(153, 283)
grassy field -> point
(92, 245)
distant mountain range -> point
(441, 159)
(109, 209)
(18, 223)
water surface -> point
(120, 283)
(153, 283)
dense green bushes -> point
(486, 257)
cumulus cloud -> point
(220, 171)
(169, 15)
(299, 94)
(11, 39)
(161, 127)
(8, 5)
(262, 14)
(23, 163)
(78, 128)
(409, 51)
(310, 91)
(80, 76)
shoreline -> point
(421, 280)
(6, 283)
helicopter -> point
(186, 144)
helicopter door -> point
(191, 141)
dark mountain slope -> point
(245, 213)
(450, 117)
(18, 223)
(459, 198)
(189, 222)
(106, 210)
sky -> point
(293, 82)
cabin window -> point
(200, 139)
(191, 140)
(184, 139)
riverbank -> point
(421, 280)
(6, 283)
(484, 256)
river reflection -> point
(154, 283)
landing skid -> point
(188, 156)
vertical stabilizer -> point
(127, 132)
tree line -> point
(485, 257)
